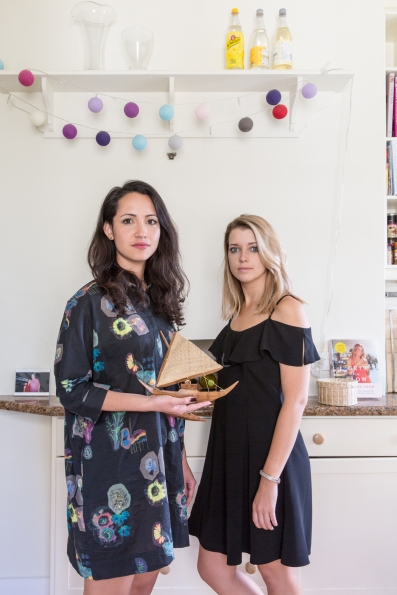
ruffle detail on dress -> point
(289, 345)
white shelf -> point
(124, 81)
(56, 87)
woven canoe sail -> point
(184, 360)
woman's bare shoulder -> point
(291, 311)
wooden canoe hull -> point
(200, 395)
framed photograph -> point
(32, 382)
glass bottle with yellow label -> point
(282, 49)
(235, 43)
(259, 48)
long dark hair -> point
(163, 271)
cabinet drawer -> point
(196, 437)
(347, 437)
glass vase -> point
(138, 43)
(95, 19)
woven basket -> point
(337, 391)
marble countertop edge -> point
(386, 406)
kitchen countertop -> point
(387, 405)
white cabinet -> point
(354, 475)
(354, 527)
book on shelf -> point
(358, 360)
(390, 82)
(395, 107)
(391, 166)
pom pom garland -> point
(69, 131)
(280, 111)
(166, 112)
(309, 90)
(139, 142)
(26, 78)
(202, 112)
(95, 105)
(37, 118)
(273, 97)
(103, 138)
(175, 142)
(131, 110)
(245, 124)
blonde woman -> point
(255, 492)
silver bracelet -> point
(269, 477)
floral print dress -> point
(126, 508)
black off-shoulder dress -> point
(242, 429)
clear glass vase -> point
(138, 43)
(95, 19)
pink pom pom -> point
(26, 78)
(202, 112)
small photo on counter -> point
(357, 359)
(30, 382)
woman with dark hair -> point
(127, 478)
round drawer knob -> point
(165, 570)
(250, 568)
(318, 438)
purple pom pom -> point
(131, 110)
(309, 90)
(273, 97)
(95, 105)
(69, 131)
(103, 138)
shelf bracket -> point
(171, 98)
(294, 102)
(48, 96)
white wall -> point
(51, 189)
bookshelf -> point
(390, 271)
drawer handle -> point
(318, 438)
(165, 570)
(250, 568)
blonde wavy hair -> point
(272, 256)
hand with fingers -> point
(189, 480)
(176, 406)
(264, 505)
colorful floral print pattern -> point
(118, 498)
(107, 529)
(180, 500)
(121, 328)
(114, 424)
(162, 539)
(156, 493)
(126, 457)
(73, 302)
(70, 384)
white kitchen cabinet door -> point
(354, 527)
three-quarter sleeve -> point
(74, 362)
